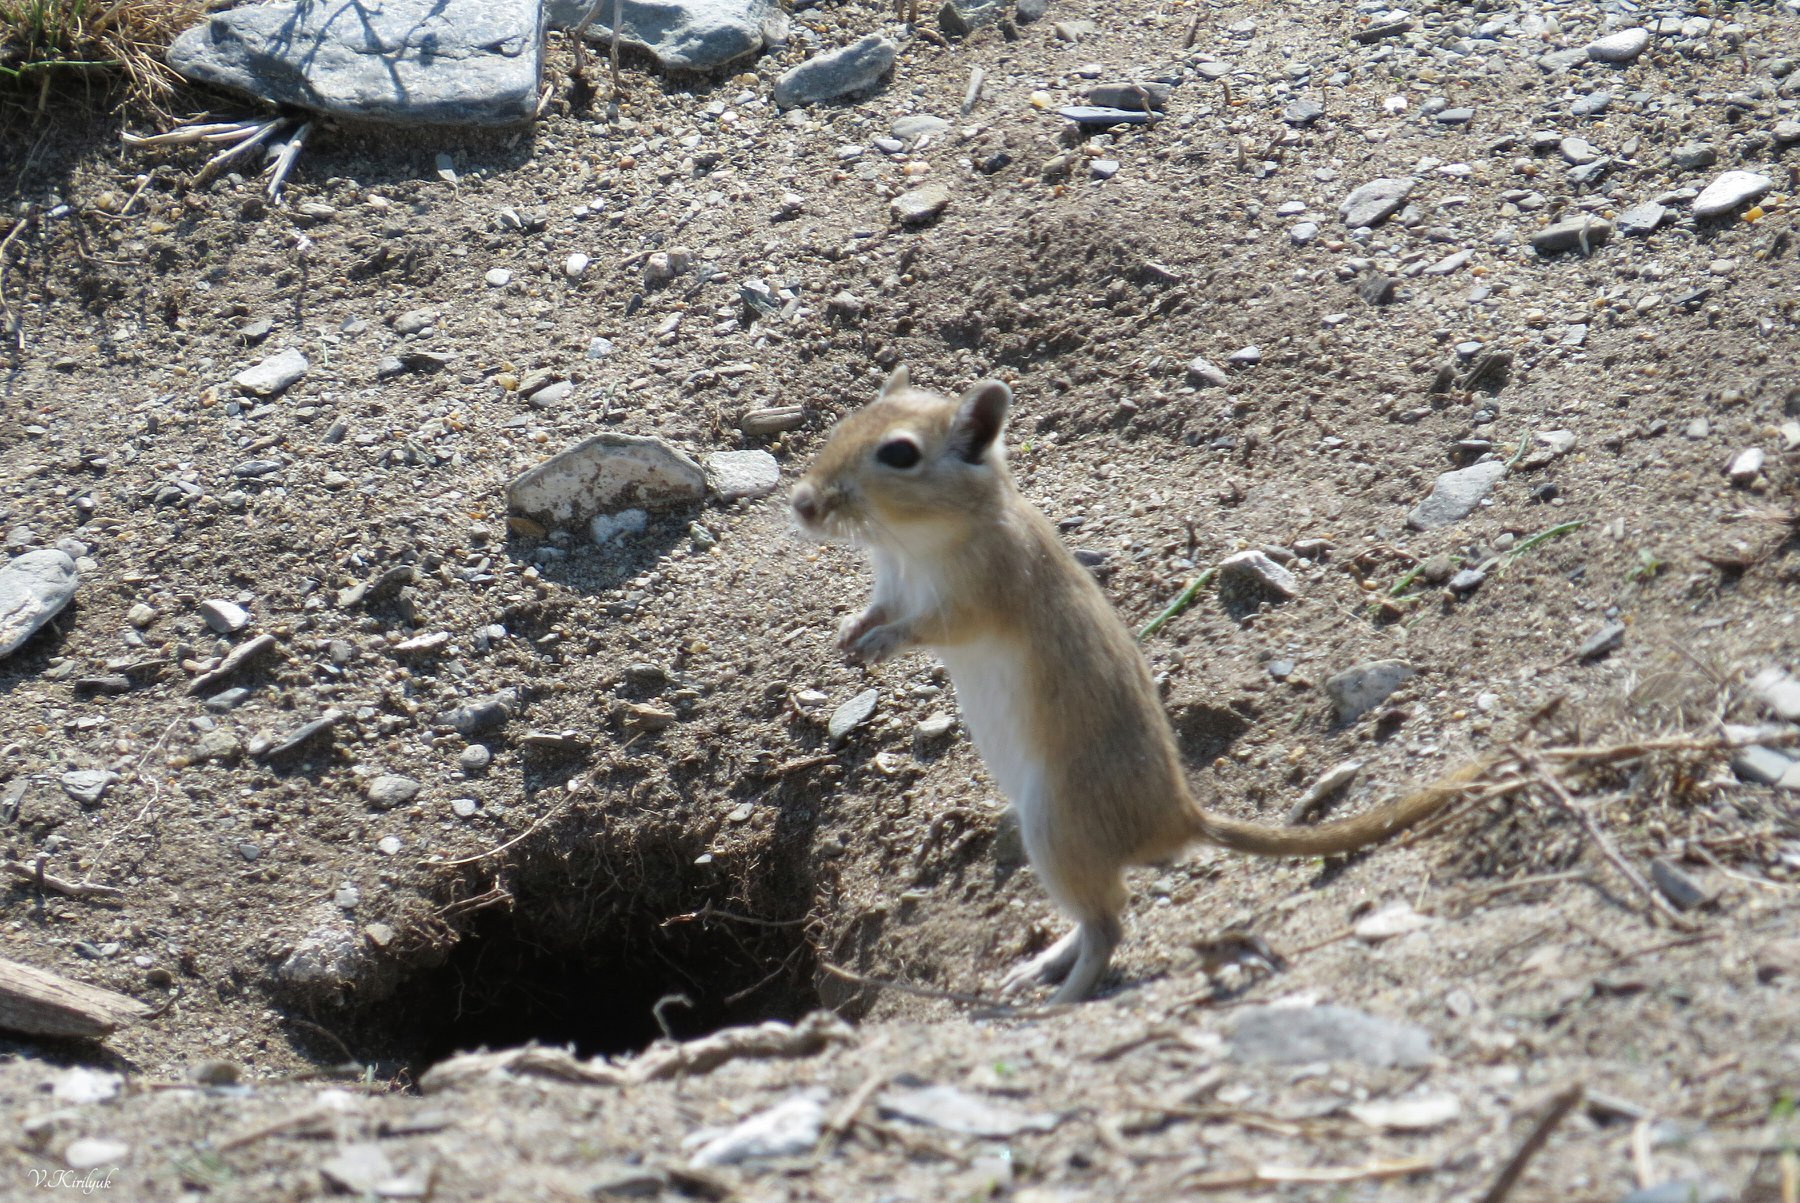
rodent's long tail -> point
(1343, 835)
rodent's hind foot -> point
(1047, 968)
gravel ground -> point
(555, 781)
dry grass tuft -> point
(45, 43)
(1651, 763)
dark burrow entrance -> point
(579, 948)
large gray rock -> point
(691, 35)
(436, 62)
(835, 73)
(33, 589)
(605, 474)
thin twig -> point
(284, 162)
(74, 889)
(1265, 1175)
(529, 831)
(972, 96)
(992, 1007)
(225, 156)
(839, 1123)
(1559, 1108)
(1608, 754)
(618, 17)
(709, 911)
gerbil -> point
(1056, 694)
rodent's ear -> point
(898, 381)
(980, 417)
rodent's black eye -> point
(898, 453)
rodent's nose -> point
(805, 501)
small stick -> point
(35, 874)
(284, 162)
(709, 911)
(1559, 1108)
(1605, 754)
(972, 96)
(536, 823)
(618, 16)
(1483, 893)
(1193, 31)
(182, 135)
(1612, 855)
(1264, 1175)
(839, 1124)
(666, 1001)
(1642, 1163)
(992, 1007)
(225, 156)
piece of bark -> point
(37, 1002)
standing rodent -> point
(1056, 694)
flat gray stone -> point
(1778, 691)
(960, 18)
(34, 588)
(788, 1129)
(1641, 220)
(433, 62)
(1376, 201)
(1302, 112)
(1101, 116)
(390, 790)
(1301, 1035)
(1455, 495)
(1692, 156)
(1130, 95)
(1604, 642)
(1362, 687)
(688, 35)
(836, 73)
(1256, 571)
(1202, 371)
(88, 786)
(1730, 190)
(917, 125)
(919, 205)
(276, 374)
(1577, 151)
(852, 714)
(605, 474)
(224, 617)
(1576, 233)
(956, 1110)
(1621, 47)
(478, 716)
(734, 474)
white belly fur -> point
(991, 687)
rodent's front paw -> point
(851, 630)
(876, 644)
